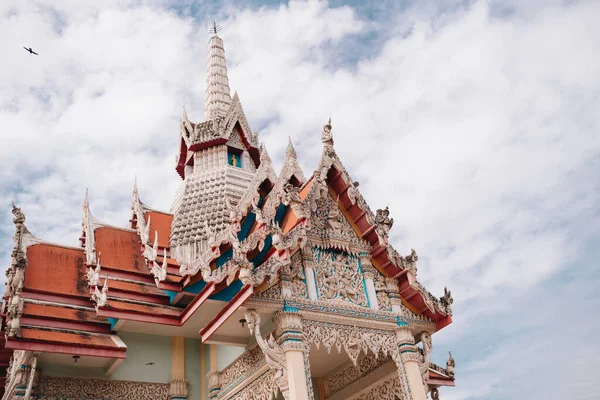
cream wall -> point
(226, 354)
(193, 368)
(141, 349)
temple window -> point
(234, 157)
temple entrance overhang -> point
(324, 351)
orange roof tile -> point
(160, 223)
(119, 249)
(56, 269)
(306, 188)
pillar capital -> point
(214, 384)
(368, 269)
(179, 389)
(391, 286)
(288, 329)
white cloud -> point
(480, 131)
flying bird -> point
(30, 51)
(150, 363)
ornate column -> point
(288, 328)
(309, 274)
(178, 389)
(214, 384)
(22, 375)
(394, 295)
(369, 274)
(179, 386)
(407, 360)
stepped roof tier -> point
(239, 237)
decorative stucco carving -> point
(328, 227)
(446, 301)
(274, 353)
(389, 389)
(241, 368)
(93, 274)
(338, 277)
(370, 362)
(424, 363)
(179, 388)
(450, 365)
(18, 373)
(15, 275)
(292, 277)
(383, 222)
(100, 298)
(159, 271)
(51, 388)
(89, 224)
(352, 339)
(262, 388)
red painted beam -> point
(138, 317)
(197, 302)
(70, 349)
(226, 312)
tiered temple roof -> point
(230, 237)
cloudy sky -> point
(477, 122)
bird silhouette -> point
(30, 51)
(150, 363)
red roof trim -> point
(226, 312)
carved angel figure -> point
(383, 221)
(326, 136)
(334, 221)
(450, 365)
(339, 281)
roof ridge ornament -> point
(290, 151)
(326, 136)
(88, 225)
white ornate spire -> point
(218, 97)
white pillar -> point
(408, 363)
(369, 274)
(391, 285)
(288, 328)
(309, 273)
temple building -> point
(255, 285)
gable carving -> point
(339, 277)
(328, 226)
(236, 141)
